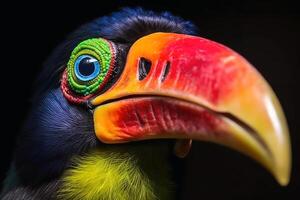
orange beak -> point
(185, 87)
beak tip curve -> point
(282, 173)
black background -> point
(265, 32)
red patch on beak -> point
(189, 63)
(155, 117)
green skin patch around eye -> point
(99, 49)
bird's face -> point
(177, 86)
(131, 77)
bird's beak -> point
(186, 87)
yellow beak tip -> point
(283, 176)
(283, 180)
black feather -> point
(46, 191)
(54, 131)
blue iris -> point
(86, 68)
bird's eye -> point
(86, 68)
(90, 67)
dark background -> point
(265, 32)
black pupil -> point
(86, 66)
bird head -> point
(142, 76)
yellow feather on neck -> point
(117, 175)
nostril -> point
(144, 68)
(166, 71)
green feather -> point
(119, 172)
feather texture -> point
(119, 173)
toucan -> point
(125, 93)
